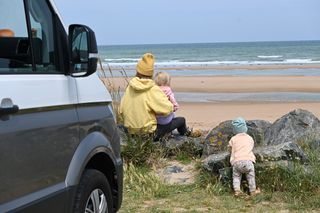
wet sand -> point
(215, 84)
(206, 115)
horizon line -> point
(205, 42)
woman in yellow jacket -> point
(143, 100)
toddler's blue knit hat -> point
(239, 125)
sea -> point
(181, 57)
(195, 59)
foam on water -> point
(211, 54)
(176, 63)
(269, 56)
(120, 60)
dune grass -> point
(114, 91)
(144, 192)
(292, 189)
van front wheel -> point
(93, 194)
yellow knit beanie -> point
(145, 65)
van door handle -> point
(9, 110)
(7, 107)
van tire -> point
(93, 183)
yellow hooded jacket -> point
(140, 104)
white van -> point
(59, 145)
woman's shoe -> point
(189, 132)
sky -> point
(194, 21)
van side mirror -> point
(83, 50)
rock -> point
(292, 127)
(282, 152)
(173, 169)
(218, 138)
(225, 175)
(215, 162)
(315, 144)
(256, 129)
(286, 151)
(171, 141)
(177, 173)
(176, 141)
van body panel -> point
(33, 202)
(36, 149)
(93, 144)
(38, 91)
(52, 90)
(91, 90)
(98, 133)
(52, 123)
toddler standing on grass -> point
(166, 124)
(242, 158)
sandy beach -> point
(215, 84)
(206, 115)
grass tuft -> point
(142, 182)
(142, 151)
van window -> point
(14, 40)
(42, 32)
(32, 46)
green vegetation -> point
(294, 189)
(143, 151)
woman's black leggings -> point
(178, 123)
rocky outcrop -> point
(275, 142)
(295, 125)
(277, 153)
(218, 138)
